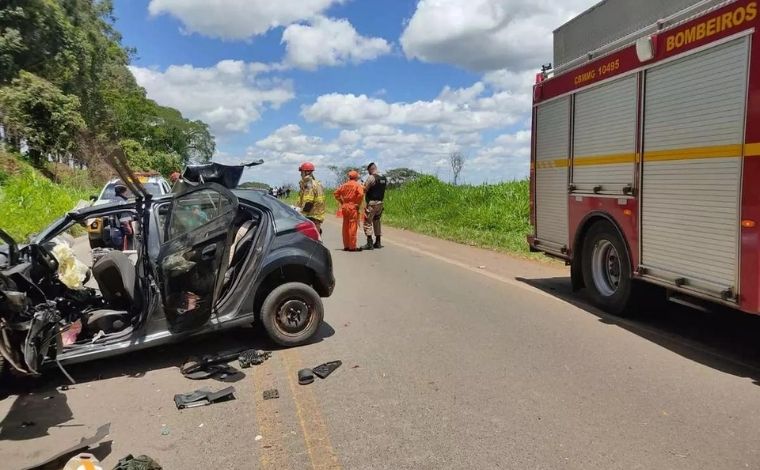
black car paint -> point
(287, 247)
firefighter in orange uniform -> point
(350, 195)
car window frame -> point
(228, 195)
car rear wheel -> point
(292, 314)
(607, 271)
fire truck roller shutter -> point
(552, 147)
(693, 135)
(604, 143)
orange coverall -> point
(350, 195)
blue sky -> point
(345, 82)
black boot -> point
(377, 244)
(369, 245)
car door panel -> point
(190, 260)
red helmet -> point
(306, 166)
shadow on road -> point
(723, 339)
(40, 405)
(33, 414)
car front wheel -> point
(292, 314)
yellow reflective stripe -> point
(558, 163)
(752, 150)
(694, 153)
(691, 153)
(604, 159)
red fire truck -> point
(645, 162)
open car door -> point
(198, 226)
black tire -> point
(607, 271)
(96, 243)
(289, 303)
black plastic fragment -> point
(305, 376)
(203, 397)
(323, 370)
(271, 394)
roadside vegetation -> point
(68, 96)
(495, 216)
(29, 200)
(67, 101)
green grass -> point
(495, 216)
(29, 201)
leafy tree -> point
(37, 111)
(341, 172)
(254, 185)
(73, 45)
(35, 36)
(142, 160)
(400, 176)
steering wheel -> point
(43, 258)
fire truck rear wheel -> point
(607, 269)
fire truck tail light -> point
(747, 223)
(627, 212)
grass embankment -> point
(30, 201)
(495, 216)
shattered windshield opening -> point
(109, 193)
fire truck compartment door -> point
(693, 135)
(604, 143)
(552, 147)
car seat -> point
(116, 278)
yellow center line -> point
(321, 453)
(276, 455)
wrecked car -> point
(206, 258)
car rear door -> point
(190, 260)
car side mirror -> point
(93, 198)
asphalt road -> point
(453, 357)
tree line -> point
(64, 82)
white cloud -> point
(238, 19)
(508, 154)
(290, 139)
(228, 96)
(505, 157)
(454, 110)
(504, 79)
(486, 35)
(330, 42)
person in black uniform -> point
(374, 190)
